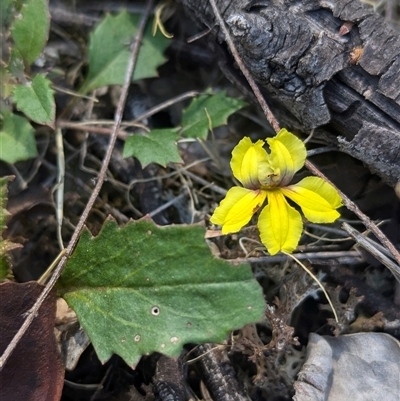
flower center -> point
(271, 180)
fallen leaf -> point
(34, 371)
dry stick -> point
(89, 125)
(373, 248)
(348, 203)
(94, 129)
(364, 218)
(102, 174)
(267, 111)
(164, 105)
(349, 256)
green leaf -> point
(30, 29)
(158, 146)
(36, 100)
(208, 110)
(109, 52)
(5, 245)
(17, 139)
(143, 288)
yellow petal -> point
(288, 155)
(280, 224)
(237, 208)
(248, 159)
(318, 199)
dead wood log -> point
(333, 64)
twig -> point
(322, 238)
(168, 204)
(218, 374)
(202, 181)
(31, 314)
(73, 93)
(164, 105)
(267, 111)
(354, 255)
(325, 149)
(364, 218)
(371, 247)
(327, 229)
(90, 128)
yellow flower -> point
(268, 175)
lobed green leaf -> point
(30, 29)
(158, 146)
(36, 100)
(109, 52)
(206, 112)
(143, 288)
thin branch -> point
(90, 126)
(32, 313)
(121, 134)
(364, 218)
(372, 247)
(350, 257)
(213, 187)
(164, 105)
(267, 111)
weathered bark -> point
(334, 64)
(218, 374)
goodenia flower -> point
(268, 176)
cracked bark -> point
(333, 64)
(168, 380)
(218, 374)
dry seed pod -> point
(345, 28)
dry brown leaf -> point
(34, 372)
